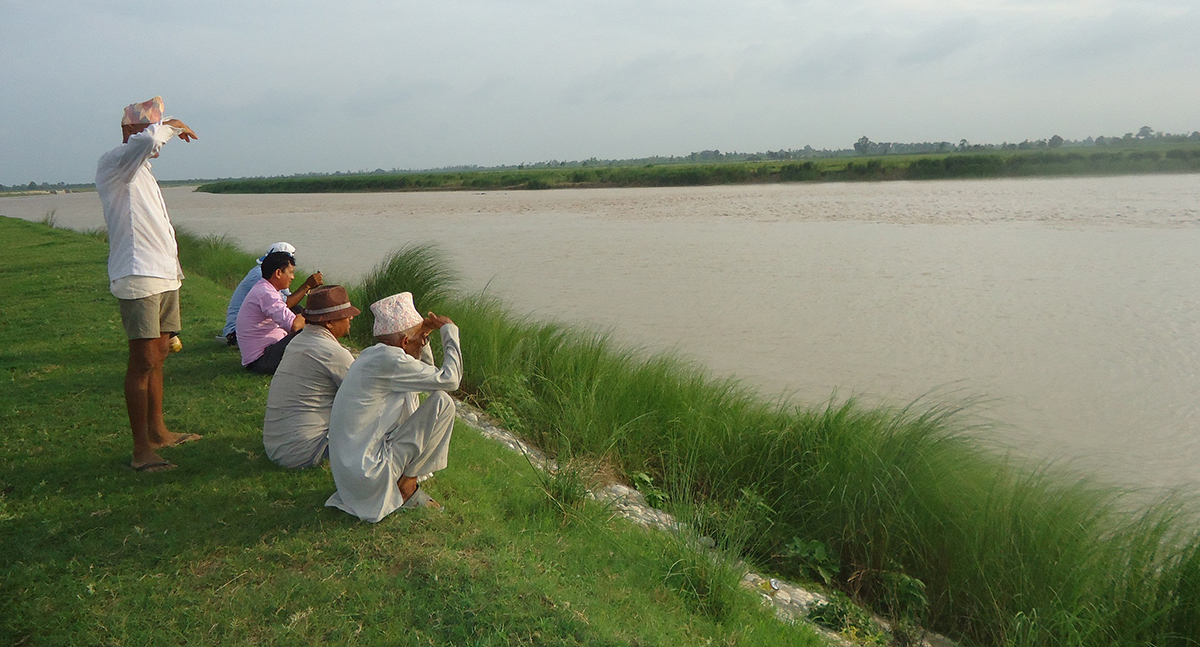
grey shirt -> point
(296, 425)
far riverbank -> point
(1177, 159)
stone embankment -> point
(791, 603)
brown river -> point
(1067, 310)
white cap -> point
(277, 247)
(395, 314)
(281, 247)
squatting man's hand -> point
(433, 322)
(413, 345)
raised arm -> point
(185, 133)
(414, 375)
(314, 280)
(140, 147)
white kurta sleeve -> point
(409, 375)
(140, 147)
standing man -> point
(143, 271)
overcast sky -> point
(285, 87)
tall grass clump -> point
(419, 269)
(707, 581)
(215, 257)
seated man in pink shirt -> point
(265, 325)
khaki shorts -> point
(151, 317)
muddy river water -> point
(1069, 309)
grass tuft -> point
(214, 257)
(708, 582)
(419, 269)
(565, 487)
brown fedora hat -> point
(328, 303)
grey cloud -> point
(474, 81)
(941, 42)
(837, 64)
(657, 76)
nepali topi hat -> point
(395, 314)
(146, 112)
(328, 303)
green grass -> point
(228, 549)
(1109, 160)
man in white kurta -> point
(143, 271)
(382, 439)
(296, 424)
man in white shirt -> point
(143, 271)
(383, 441)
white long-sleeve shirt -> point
(141, 240)
(378, 394)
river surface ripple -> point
(1070, 307)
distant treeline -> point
(1146, 138)
(956, 165)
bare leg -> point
(408, 487)
(155, 425)
(145, 356)
(144, 400)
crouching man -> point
(296, 425)
(382, 439)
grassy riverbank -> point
(901, 508)
(1114, 161)
(228, 549)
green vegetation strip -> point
(1182, 159)
(228, 549)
